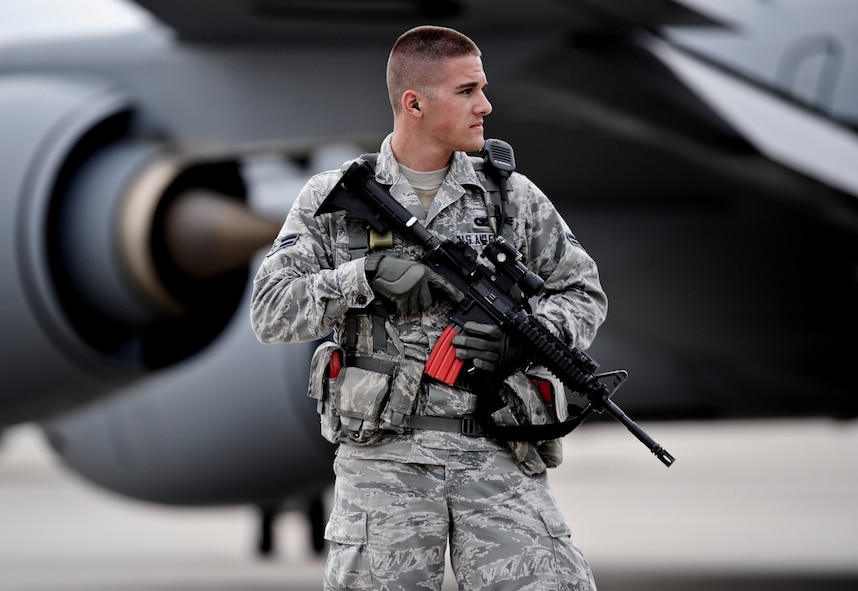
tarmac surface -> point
(747, 506)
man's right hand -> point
(409, 284)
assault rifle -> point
(487, 299)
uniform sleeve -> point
(572, 303)
(299, 294)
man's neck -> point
(417, 156)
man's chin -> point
(476, 145)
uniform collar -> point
(461, 173)
(460, 180)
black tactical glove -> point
(488, 346)
(410, 285)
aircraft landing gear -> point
(316, 516)
(268, 514)
(267, 519)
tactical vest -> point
(365, 385)
(369, 345)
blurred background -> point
(703, 152)
(749, 505)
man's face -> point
(454, 116)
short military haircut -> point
(415, 58)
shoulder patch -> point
(283, 242)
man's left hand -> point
(487, 345)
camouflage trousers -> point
(392, 520)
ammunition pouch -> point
(532, 398)
(360, 398)
(365, 397)
(367, 388)
(324, 387)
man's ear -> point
(411, 102)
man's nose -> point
(486, 107)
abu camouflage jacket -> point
(313, 278)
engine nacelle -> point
(92, 298)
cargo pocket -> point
(325, 377)
(362, 394)
(572, 569)
(348, 563)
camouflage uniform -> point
(402, 494)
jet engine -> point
(110, 261)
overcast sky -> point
(33, 19)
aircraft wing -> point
(295, 21)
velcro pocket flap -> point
(554, 522)
(346, 527)
(362, 392)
